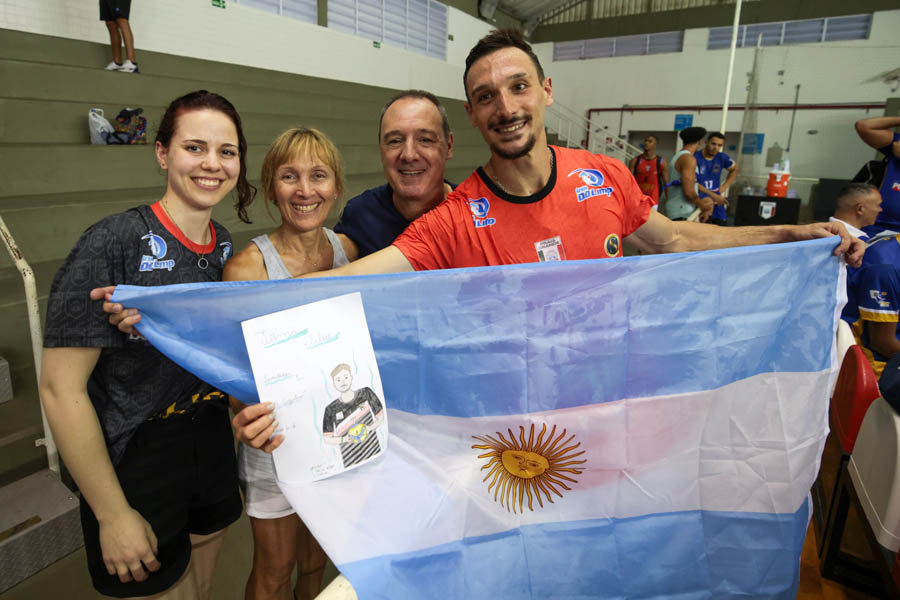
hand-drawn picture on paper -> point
(351, 420)
(316, 364)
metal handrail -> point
(565, 122)
(37, 343)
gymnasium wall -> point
(828, 73)
(247, 36)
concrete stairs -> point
(56, 184)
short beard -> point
(529, 145)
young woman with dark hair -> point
(149, 444)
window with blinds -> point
(304, 10)
(626, 45)
(832, 29)
(417, 25)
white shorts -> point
(262, 496)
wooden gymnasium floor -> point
(812, 585)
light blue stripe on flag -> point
(612, 328)
(693, 387)
(697, 554)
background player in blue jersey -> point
(877, 133)
(711, 161)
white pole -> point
(37, 342)
(734, 32)
(751, 94)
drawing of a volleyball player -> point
(351, 420)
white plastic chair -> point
(845, 339)
(871, 484)
(874, 470)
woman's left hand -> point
(254, 426)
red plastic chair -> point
(856, 388)
(895, 571)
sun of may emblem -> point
(528, 467)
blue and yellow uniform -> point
(709, 175)
(875, 288)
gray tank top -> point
(275, 266)
(677, 206)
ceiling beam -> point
(720, 15)
(470, 7)
(486, 8)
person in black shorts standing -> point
(115, 13)
(149, 444)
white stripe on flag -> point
(752, 446)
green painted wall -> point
(56, 184)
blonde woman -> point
(302, 177)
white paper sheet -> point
(316, 364)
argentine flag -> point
(644, 427)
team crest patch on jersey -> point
(594, 184)
(896, 186)
(158, 250)
(480, 208)
(612, 245)
(226, 251)
(880, 298)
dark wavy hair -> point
(498, 39)
(202, 99)
(692, 135)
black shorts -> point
(180, 474)
(110, 10)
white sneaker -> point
(113, 66)
(128, 67)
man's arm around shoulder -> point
(388, 260)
